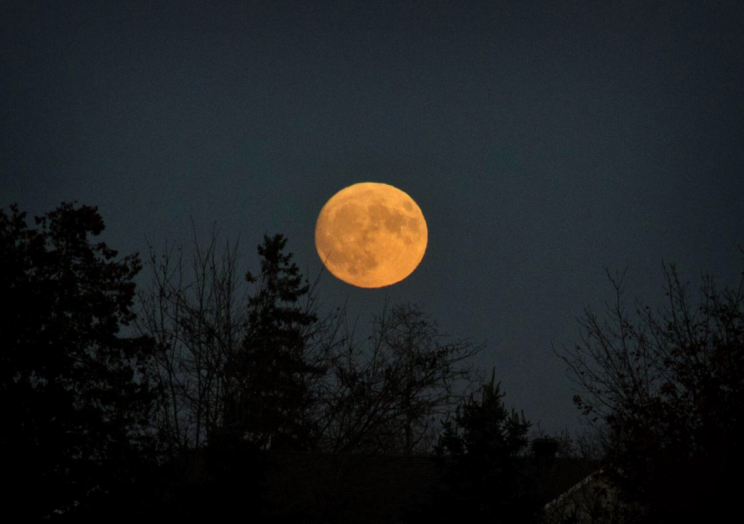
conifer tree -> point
(272, 371)
(73, 389)
(485, 476)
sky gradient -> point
(543, 141)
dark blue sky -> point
(543, 141)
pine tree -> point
(272, 371)
(480, 456)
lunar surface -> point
(371, 235)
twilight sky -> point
(543, 141)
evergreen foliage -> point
(272, 370)
(485, 473)
(74, 395)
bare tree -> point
(667, 386)
(195, 310)
(392, 394)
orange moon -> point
(371, 235)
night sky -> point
(543, 141)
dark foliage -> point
(485, 476)
(270, 375)
(73, 392)
(669, 387)
(225, 480)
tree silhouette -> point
(195, 308)
(73, 390)
(485, 474)
(668, 386)
(270, 375)
(385, 393)
(391, 395)
(206, 326)
(227, 351)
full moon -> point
(371, 235)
